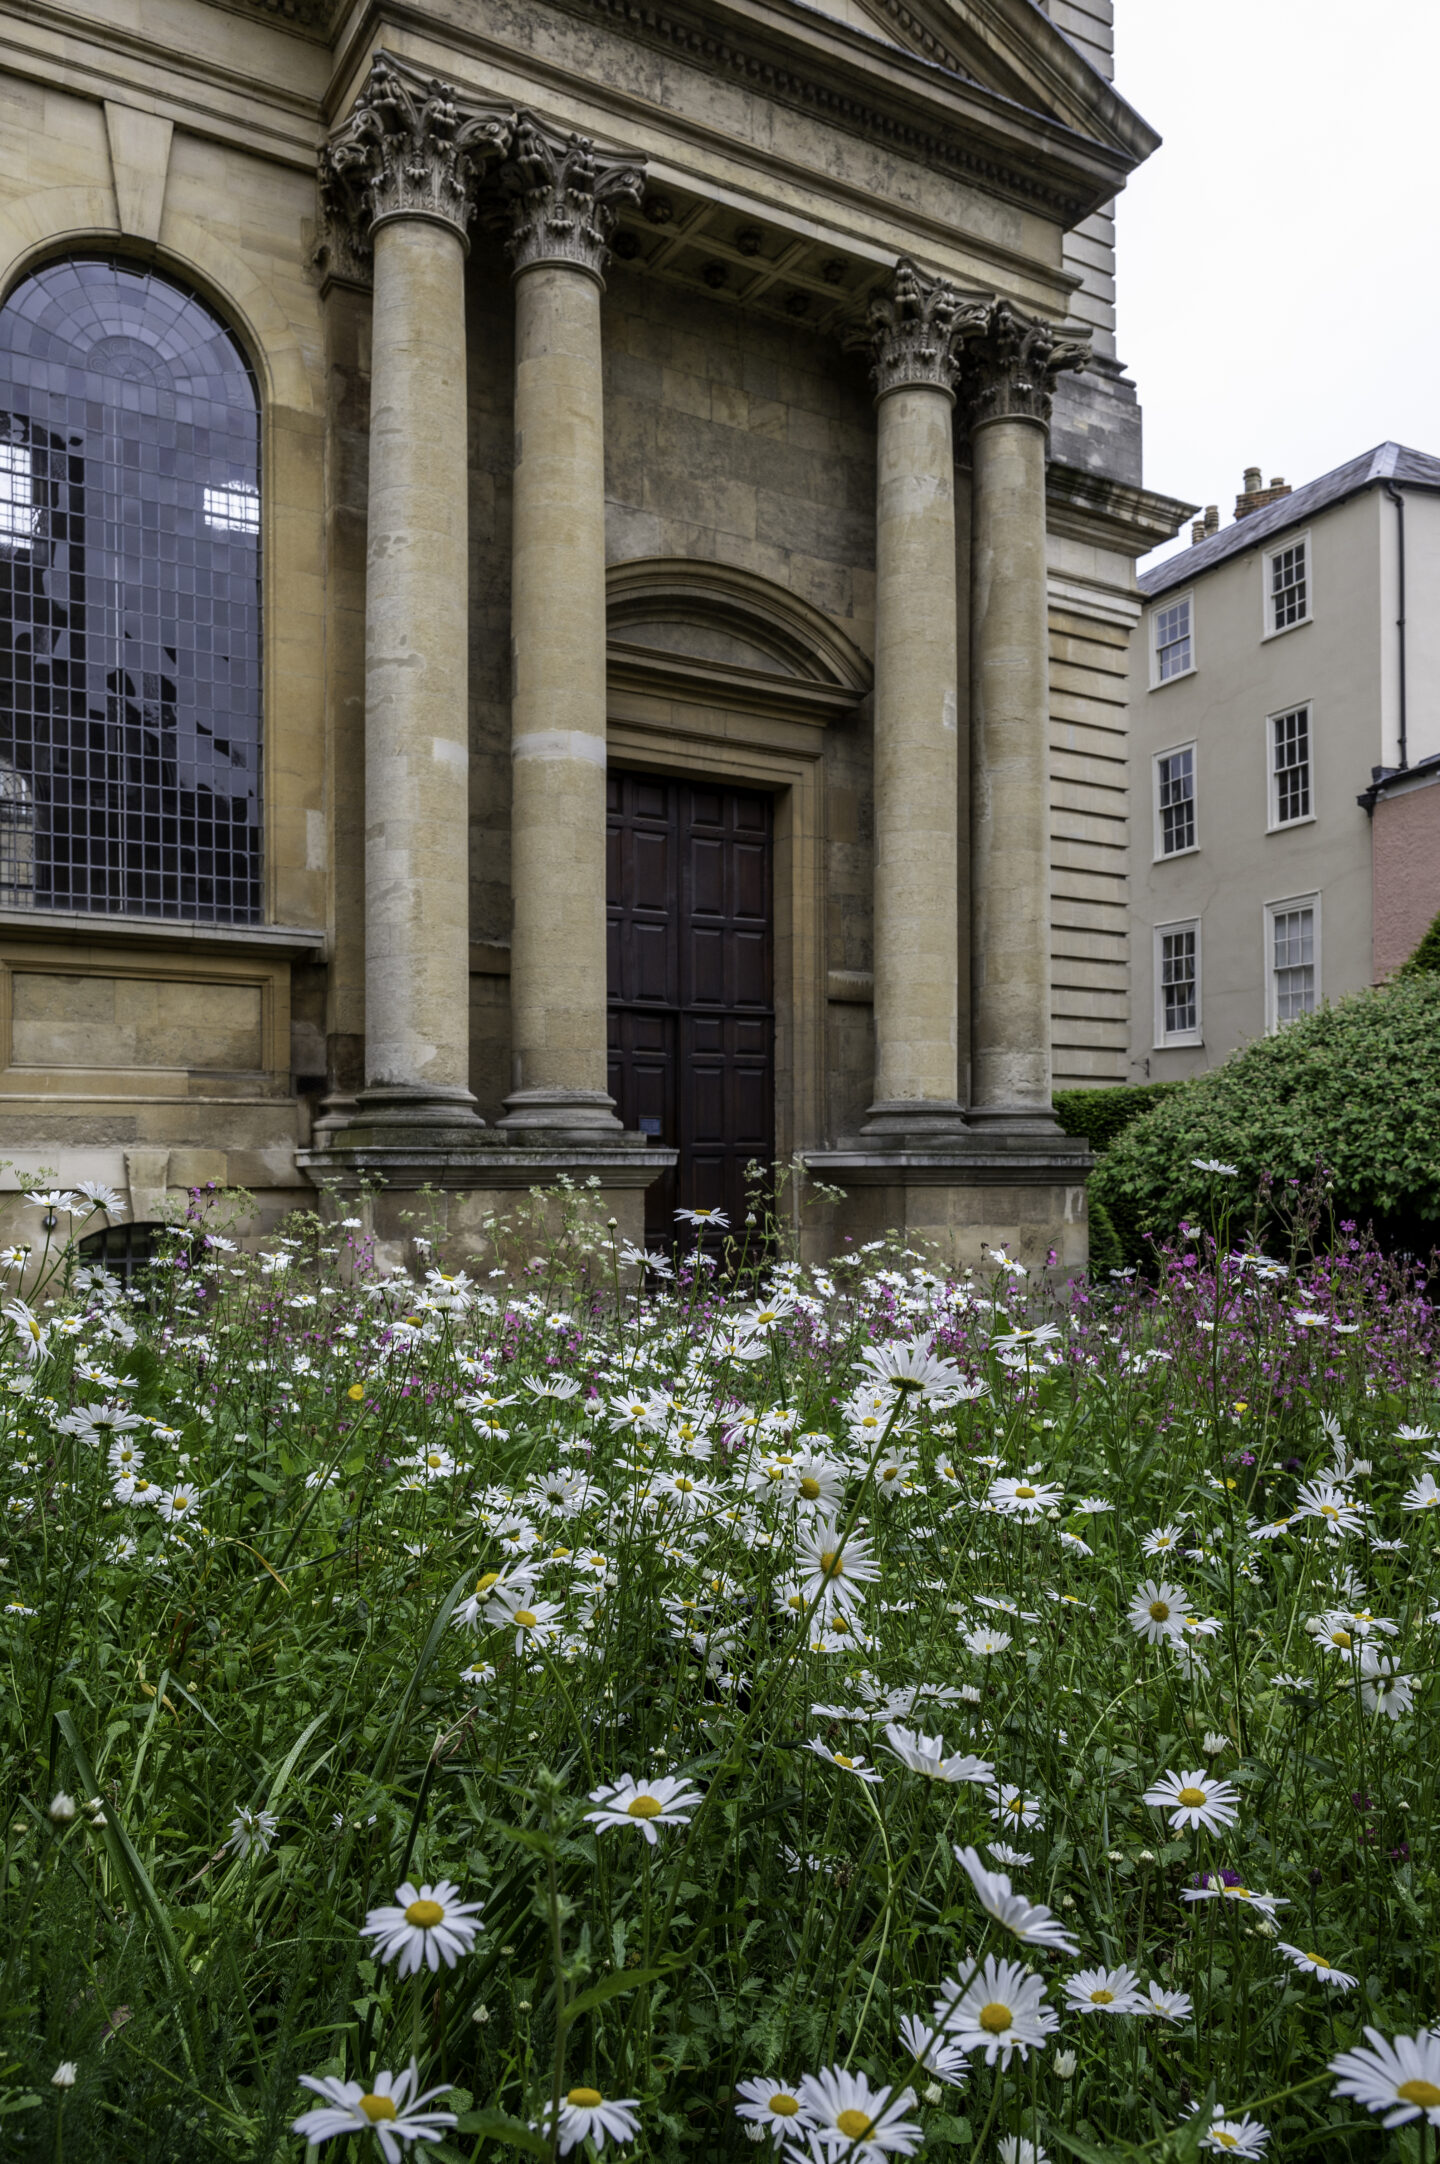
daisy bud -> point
(932, 2092)
(1214, 1744)
(64, 2075)
(480, 2016)
(1065, 2065)
(62, 1808)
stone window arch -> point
(130, 621)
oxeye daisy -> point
(850, 2119)
(925, 1755)
(251, 1831)
(857, 1766)
(1011, 1807)
(1157, 1612)
(932, 2051)
(1106, 1991)
(1195, 1799)
(391, 2111)
(1233, 2137)
(772, 2105)
(1023, 1498)
(1163, 1539)
(666, 1801)
(426, 1926)
(985, 1642)
(998, 2009)
(586, 2115)
(1032, 1924)
(1173, 2006)
(835, 1569)
(1317, 1965)
(535, 1622)
(1402, 2078)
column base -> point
(894, 1121)
(559, 1117)
(408, 1116)
(1024, 1193)
(493, 1198)
(1031, 1120)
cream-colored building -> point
(1285, 708)
(567, 572)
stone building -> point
(1285, 724)
(566, 575)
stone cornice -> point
(1010, 372)
(1109, 514)
(410, 147)
(562, 196)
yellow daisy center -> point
(796, 1602)
(840, 1623)
(1160, 1611)
(1319, 1960)
(1025, 1495)
(1423, 2093)
(1328, 1510)
(425, 1915)
(685, 1487)
(1102, 1998)
(642, 1807)
(842, 1760)
(1222, 2138)
(832, 1563)
(783, 2106)
(378, 2107)
(995, 2019)
(809, 1487)
(526, 1619)
(179, 1502)
(1190, 1797)
(433, 1457)
(1016, 1806)
(491, 1577)
(584, 2099)
(1341, 1638)
(854, 2125)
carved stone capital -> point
(916, 329)
(411, 147)
(563, 196)
(1011, 370)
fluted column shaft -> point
(563, 198)
(1008, 387)
(1010, 774)
(398, 181)
(916, 325)
(417, 985)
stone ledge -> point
(486, 1164)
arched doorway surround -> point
(716, 674)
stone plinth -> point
(1024, 1193)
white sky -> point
(1279, 256)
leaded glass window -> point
(130, 737)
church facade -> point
(565, 573)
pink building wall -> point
(1405, 859)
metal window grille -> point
(129, 598)
(1293, 961)
(1290, 744)
(1172, 639)
(1177, 801)
(1289, 589)
(1179, 983)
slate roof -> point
(1387, 462)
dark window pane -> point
(129, 599)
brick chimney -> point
(1253, 497)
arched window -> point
(129, 599)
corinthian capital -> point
(1010, 371)
(563, 197)
(411, 147)
(916, 329)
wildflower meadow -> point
(680, 1706)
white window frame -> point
(1181, 1039)
(1279, 909)
(1269, 629)
(1274, 824)
(1161, 603)
(1172, 751)
(19, 511)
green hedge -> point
(1354, 1088)
(1100, 1115)
(1425, 961)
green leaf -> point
(499, 2126)
(610, 1987)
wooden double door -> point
(691, 984)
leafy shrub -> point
(1425, 961)
(1353, 1089)
(1101, 1115)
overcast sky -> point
(1279, 256)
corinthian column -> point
(401, 173)
(1008, 387)
(564, 196)
(916, 329)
